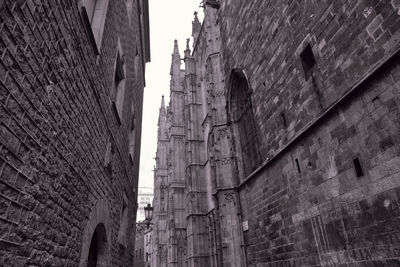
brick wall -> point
(56, 121)
(319, 212)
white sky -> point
(169, 20)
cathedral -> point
(280, 143)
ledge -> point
(322, 116)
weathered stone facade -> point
(291, 130)
(71, 93)
(169, 231)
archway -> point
(240, 114)
(98, 248)
(96, 237)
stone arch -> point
(240, 117)
(98, 247)
(96, 237)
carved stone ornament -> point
(191, 196)
(225, 161)
(229, 198)
(222, 133)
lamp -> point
(148, 214)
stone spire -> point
(176, 59)
(196, 27)
(187, 50)
(162, 120)
(162, 102)
(175, 82)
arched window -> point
(241, 115)
(98, 246)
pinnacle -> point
(162, 102)
(187, 43)
(176, 49)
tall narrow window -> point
(283, 119)
(308, 61)
(241, 114)
(118, 91)
(357, 167)
(298, 165)
(162, 189)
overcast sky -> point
(169, 20)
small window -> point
(308, 61)
(283, 119)
(298, 165)
(119, 70)
(357, 167)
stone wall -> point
(310, 177)
(58, 128)
(327, 191)
(325, 213)
(347, 40)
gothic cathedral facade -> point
(280, 144)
